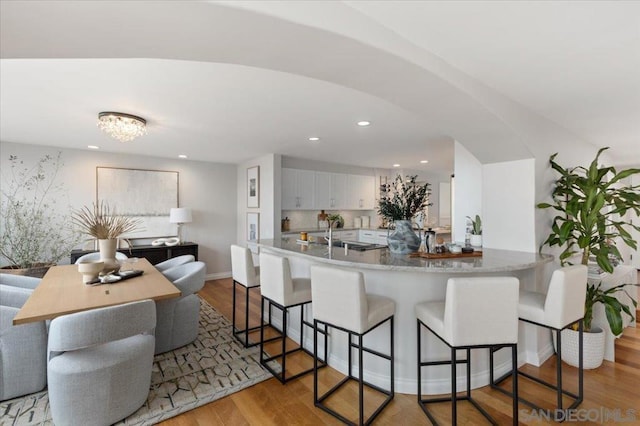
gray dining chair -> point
(178, 317)
(174, 261)
(23, 348)
(100, 361)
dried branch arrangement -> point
(103, 223)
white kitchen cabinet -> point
(346, 235)
(361, 192)
(366, 236)
(380, 237)
(330, 190)
(298, 189)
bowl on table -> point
(90, 270)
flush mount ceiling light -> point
(314, 138)
(363, 123)
(424, 161)
(120, 126)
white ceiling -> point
(226, 84)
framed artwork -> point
(253, 226)
(253, 231)
(253, 186)
(145, 194)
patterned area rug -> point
(213, 366)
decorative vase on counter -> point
(108, 254)
(403, 240)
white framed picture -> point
(253, 226)
(253, 186)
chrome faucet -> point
(329, 239)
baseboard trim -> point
(217, 276)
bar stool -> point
(248, 276)
(340, 301)
(283, 292)
(478, 312)
(561, 307)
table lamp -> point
(180, 215)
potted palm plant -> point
(591, 204)
(400, 202)
(35, 233)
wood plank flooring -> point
(610, 387)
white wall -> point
(209, 189)
(508, 204)
(270, 196)
(467, 191)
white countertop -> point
(491, 261)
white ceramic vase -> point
(108, 254)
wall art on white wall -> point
(253, 186)
(145, 194)
(253, 231)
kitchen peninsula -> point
(408, 280)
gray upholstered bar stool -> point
(478, 312)
(340, 302)
(561, 307)
(283, 292)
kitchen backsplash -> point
(303, 219)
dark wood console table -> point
(154, 254)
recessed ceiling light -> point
(182, 156)
(93, 147)
(363, 123)
(396, 165)
(424, 161)
(314, 138)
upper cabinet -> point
(309, 190)
(298, 189)
(361, 194)
(331, 190)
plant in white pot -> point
(591, 204)
(400, 202)
(103, 224)
(36, 232)
(476, 231)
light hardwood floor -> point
(613, 386)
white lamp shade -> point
(180, 215)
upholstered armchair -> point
(177, 323)
(89, 257)
(100, 363)
(21, 281)
(23, 348)
(174, 261)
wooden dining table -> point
(62, 292)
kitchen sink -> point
(353, 245)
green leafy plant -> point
(403, 199)
(34, 232)
(612, 307)
(591, 204)
(103, 223)
(335, 219)
(476, 225)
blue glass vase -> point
(403, 240)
